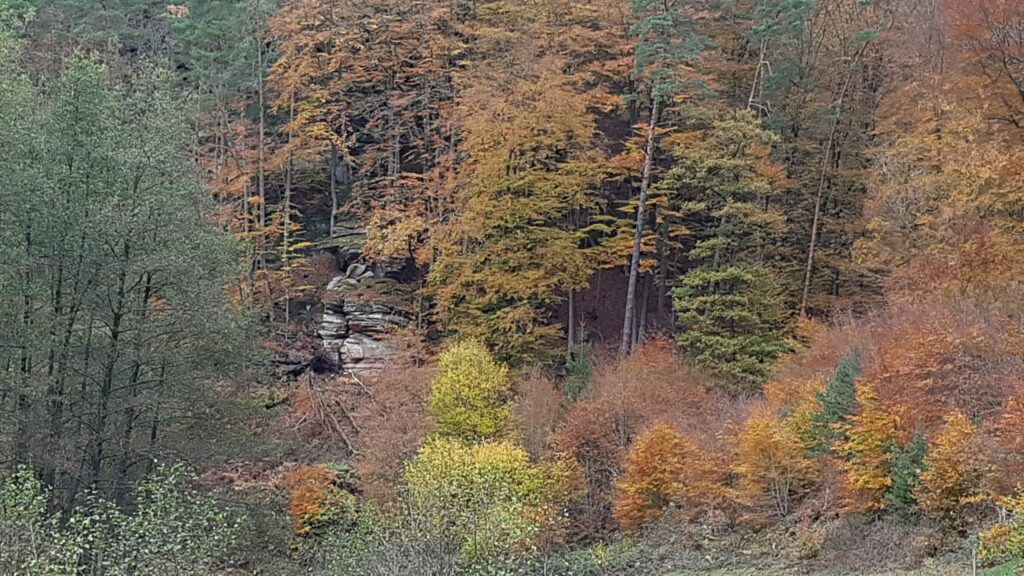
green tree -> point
(114, 320)
(837, 401)
(906, 466)
(730, 306)
(669, 39)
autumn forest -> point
(511, 287)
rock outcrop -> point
(359, 310)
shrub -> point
(1005, 540)
(663, 469)
(470, 396)
(537, 410)
(487, 497)
(954, 474)
(171, 529)
(318, 500)
(579, 370)
(772, 465)
(624, 399)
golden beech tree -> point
(954, 472)
(512, 247)
(773, 467)
(664, 468)
(871, 435)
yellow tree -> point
(955, 471)
(510, 250)
(663, 468)
(772, 464)
(871, 435)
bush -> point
(579, 370)
(772, 465)
(954, 475)
(470, 396)
(487, 497)
(318, 500)
(170, 530)
(662, 469)
(1005, 540)
(624, 399)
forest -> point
(511, 287)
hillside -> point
(482, 287)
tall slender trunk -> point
(286, 226)
(663, 269)
(819, 196)
(23, 402)
(645, 304)
(261, 169)
(334, 186)
(100, 418)
(130, 412)
(572, 321)
(625, 346)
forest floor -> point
(940, 568)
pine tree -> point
(906, 466)
(837, 401)
(730, 305)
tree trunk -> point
(287, 224)
(663, 269)
(334, 186)
(572, 321)
(645, 301)
(823, 178)
(625, 347)
(261, 179)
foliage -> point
(870, 438)
(906, 466)
(317, 501)
(1006, 539)
(486, 497)
(837, 402)
(578, 370)
(730, 304)
(663, 469)
(116, 320)
(470, 397)
(170, 527)
(531, 166)
(952, 481)
(773, 468)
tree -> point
(729, 304)
(669, 40)
(470, 398)
(869, 439)
(773, 469)
(531, 163)
(952, 481)
(906, 466)
(663, 468)
(114, 319)
(486, 497)
(837, 402)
